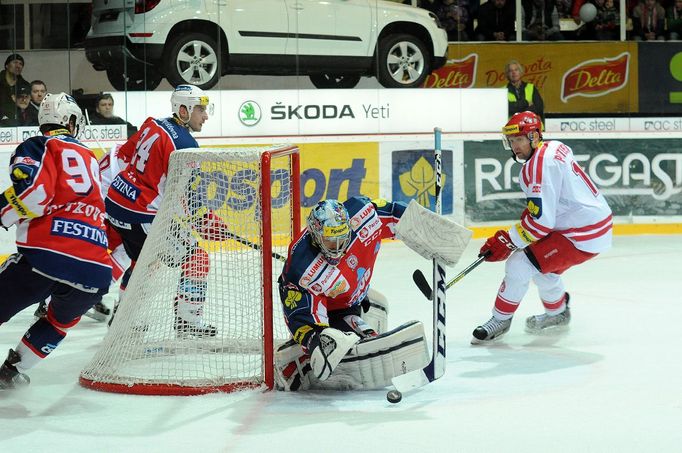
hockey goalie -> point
(338, 324)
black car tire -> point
(136, 79)
(403, 61)
(193, 58)
(335, 80)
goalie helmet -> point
(329, 229)
(189, 96)
(522, 124)
(60, 109)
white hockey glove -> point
(432, 235)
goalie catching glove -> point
(431, 235)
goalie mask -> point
(522, 124)
(329, 229)
(60, 109)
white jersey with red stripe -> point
(561, 197)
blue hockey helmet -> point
(329, 229)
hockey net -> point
(255, 192)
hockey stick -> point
(425, 288)
(436, 367)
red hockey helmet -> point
(522, 123)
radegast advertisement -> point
(637, 177)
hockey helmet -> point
(330, 229)
(189, 96)
(522, 124)
(60, 109)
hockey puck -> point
(394, 396)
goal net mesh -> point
(230, 212)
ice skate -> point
(98, 312)
(10, 377)
(549, 323)
(41, 311)
(186, 329)
(491, 330)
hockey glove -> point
(498, 247)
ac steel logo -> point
(588, 126)
(663, 125)
(250, 113)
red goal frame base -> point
(166, 389)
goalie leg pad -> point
(372, 363)
(376, 313)
(292, 367)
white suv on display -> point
(334, 42)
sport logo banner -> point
(596, 77)
(455, 74)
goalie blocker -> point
(370, 364)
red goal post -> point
(255, 191)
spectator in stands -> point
(540, 20)
(455, 17)
(38, 92)
(22, 112)
(674, 18)
(104, 114)
(606, 25)
(648, 21)
(522, 96)
(496, 21)
(10, 80)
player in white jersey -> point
(566, 222)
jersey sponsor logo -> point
(18, 204)
(536, 188)
(25, 160)
(21, 172)
(292, 299)
(312, 271)
(363, 277)
(361, 215)
(535, 207)
(340, 287)
(79, 230)
(124, 188)
(352, 261)
(48, 348)
(523, 234)
(370, 230)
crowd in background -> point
(494, 20)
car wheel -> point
(334, 80)
(404, 61)
(136, 79)
(193, 58)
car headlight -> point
(436, 20)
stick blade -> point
(423, 285)
(410, 381)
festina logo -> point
(311, 112)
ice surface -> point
(613, 383)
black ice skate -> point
(491, 330)
(10, 377)
(41, 311)
(98, 312)
(186, 329)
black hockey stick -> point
(424, 286)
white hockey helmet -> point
(189, 96)
(60, 109)
(330, 229)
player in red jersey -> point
(56, 204)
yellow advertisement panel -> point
(572, 77)
(339, 171)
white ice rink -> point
(613, 383)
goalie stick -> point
(425, 288)
(436, 367)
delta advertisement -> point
(572, 77)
